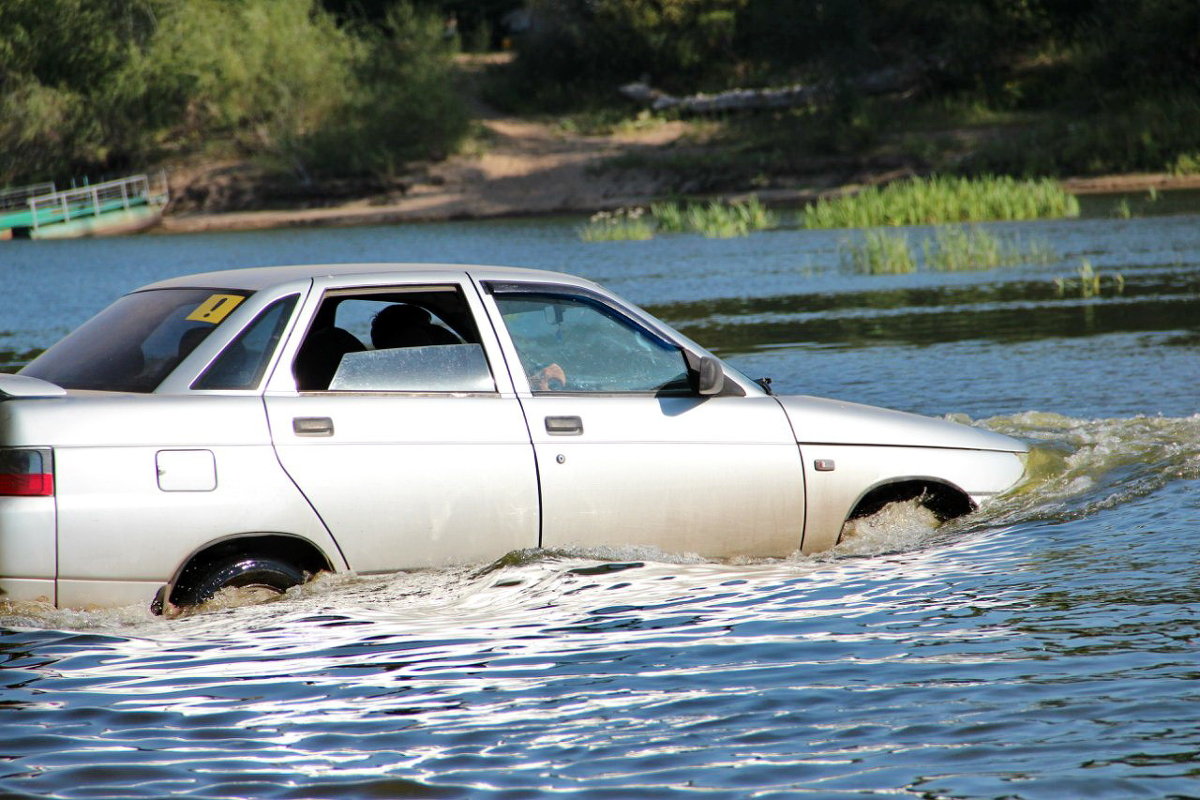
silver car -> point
(256, 427)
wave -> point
(1079, 467)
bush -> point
(277, 79)
(41, 130)
(56, 57)
(264, 72)
(596, 45)
(1150, 134)
(400, 106)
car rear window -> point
(132, 345)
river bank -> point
(524, 168)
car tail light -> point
(26, 472)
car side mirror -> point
(705, 372)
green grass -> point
(940, 200)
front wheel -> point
(270, 576)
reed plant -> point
(939, 200)
(950, 249)
(959, 248)
(1089, 282)
(622, 225)
(879, 253)
(715, 219)
(669, 217)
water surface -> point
(1044, 648)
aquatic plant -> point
(951, 249)
(622, 225)
(880, 253)
(955, 248)
(714, 219)
(937, 200)
(669, 217)
(1089, 282)
(1132, 205)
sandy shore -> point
(528, 168)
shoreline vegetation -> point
(275, 113)
(935, 200)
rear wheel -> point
(270, 576)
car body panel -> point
(413, 481)
(410, 479)
(849, 472)
(112, 494)
(24, 386)
(27, 547)
(107, 450)
(861, 447)
(714, 476)
(34, 590)
(825, 421)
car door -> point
(628, 453)
(412, 449)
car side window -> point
(244, 360)
(393, 340)
(574, 343)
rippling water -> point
(1045, 648)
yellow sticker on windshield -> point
(215, 308)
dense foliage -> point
(977, 44)
(362, 87)
(88, 85)
(1094, 85)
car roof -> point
(256, 278)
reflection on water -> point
(1012, 312)
(1043, 648)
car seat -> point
(320, 356)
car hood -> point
(817, 420)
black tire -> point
(242, 571)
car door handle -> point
(312, 426)
(564, 426)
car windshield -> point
(132, 345)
